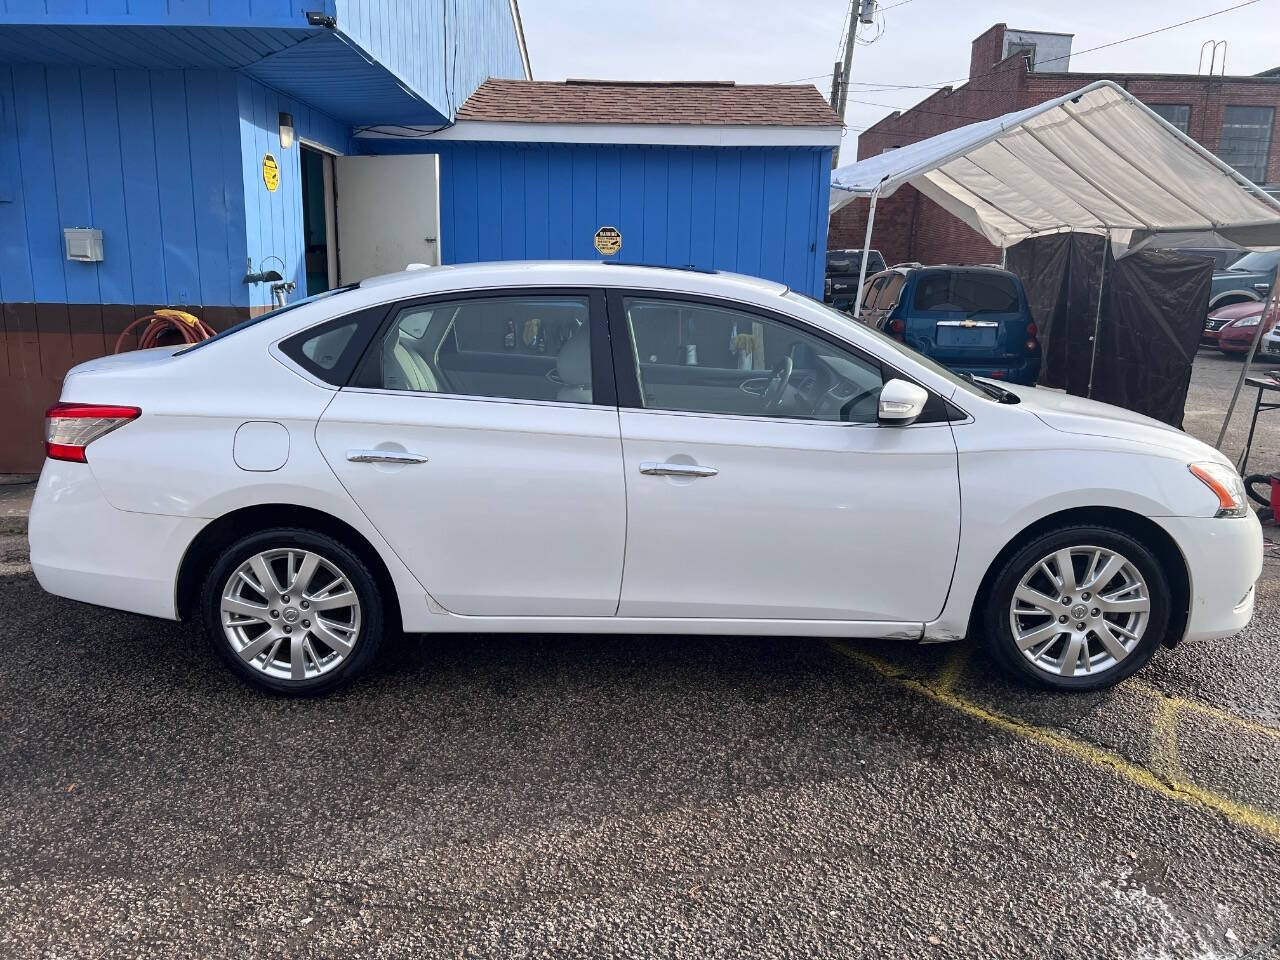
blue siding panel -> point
(656, 201)
(141, 195)
(16, 285)
(440, 49)
(35, 147)
(168, 164)
(537, 196)
(559, 202)
(748, 210)
(173, 179)
(106, 183)
(702, 211)
(71, 173)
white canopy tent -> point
(1096, 161)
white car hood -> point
(1076, 415)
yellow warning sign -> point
(270, 172)
(608, 240)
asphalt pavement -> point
(559, 796)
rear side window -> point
(522, 347)
(331, 350)
(970, 293)
(889, 294)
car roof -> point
(424, 281)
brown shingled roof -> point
(608, 101)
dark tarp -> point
(1153, 309)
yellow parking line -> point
(951, 671)
(1195, 706)
(1174, 788)
(1164, 740)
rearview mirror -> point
(901, 403)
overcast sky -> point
(919, 42)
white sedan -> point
(600, 448)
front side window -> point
(533, 347)
(1246, 140)
(706, 358)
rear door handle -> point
(384, 456)
(651, 468)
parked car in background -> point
(1248, 278)
(843, 269)
(1222, 316)
(1271, 342)
(581, 447)
(1236, 338)
(972, 319)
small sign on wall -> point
(270, 172)
(608, 241)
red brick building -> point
(1234, 117)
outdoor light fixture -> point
(286, 131)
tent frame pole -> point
(1248, 362)
(866, 252)
(1097, 317)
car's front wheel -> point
(292, 611)
(1079, 608)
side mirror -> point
(901, 403)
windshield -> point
(1257, 262)
(254, 321)
(968, 386)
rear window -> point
(971, 293)
(254, 321)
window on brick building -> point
(1178, 114)
(1025, 48)
(1246, 140)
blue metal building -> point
(704, 175)
(181, 133)
(221, 156)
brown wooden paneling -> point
(115, 318)
(40, 342)
(22, 433)
(85, 323)
(53, 328)
(24, 343)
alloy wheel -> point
(290, 613)
(1079, 611)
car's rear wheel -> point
(1079, 608)
(292, 611)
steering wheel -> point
(777, 388)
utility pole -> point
(860, 11)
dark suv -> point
(971, 319)
(843, 266)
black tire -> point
(995, 619)
(367, 640)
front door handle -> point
(384, 456)
(651, 468)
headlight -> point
(1247, 322)
(1226, 486)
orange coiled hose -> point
(189, 327)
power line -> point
(967, 81)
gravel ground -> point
(634, 796)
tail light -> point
(896, 327)
(1032, 345)
(70, 427)
(1032, 330)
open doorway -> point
(320, 248)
